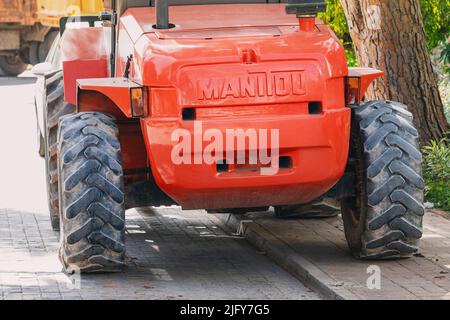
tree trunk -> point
(389, 35)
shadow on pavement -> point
(171, 254)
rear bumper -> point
(317, 144)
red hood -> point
(225, 45)
(210, 17)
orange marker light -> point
(353, 85)
(139, 102)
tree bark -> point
(389, 35)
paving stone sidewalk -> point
(170, 255)
(322, 245)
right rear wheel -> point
(383, 219)
(91, 193)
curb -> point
(288, 259)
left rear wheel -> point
(91, 194)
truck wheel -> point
(55, 108)
(33, 53)
(12, 65)
(91, 195)
(384, 218)
(39, 50)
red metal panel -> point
(116, 89)
(112, 96)
(261, 77)
(141, 20)
(81, 69)
(318, 146)
(84, 56)
(84, 44)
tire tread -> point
(92, 196)
(393, 180)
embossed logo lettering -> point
(262, 84)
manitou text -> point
(258, 84)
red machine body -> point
(234, 67)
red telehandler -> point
(130, 86)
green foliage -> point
(352, 61)
(445, 55)
(335, 18)
(436, 16)
(436, 171)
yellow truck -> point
(50, 11)
(28, 28)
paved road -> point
(318, 247)
(170, 254)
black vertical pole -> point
(162, 14)
(113, 38)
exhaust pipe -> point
(162, 14)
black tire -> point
(33, 53)
(92, 195)
(44, 47)
(12, 65)
(384, 218)
(38, 51)
(55, 108)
